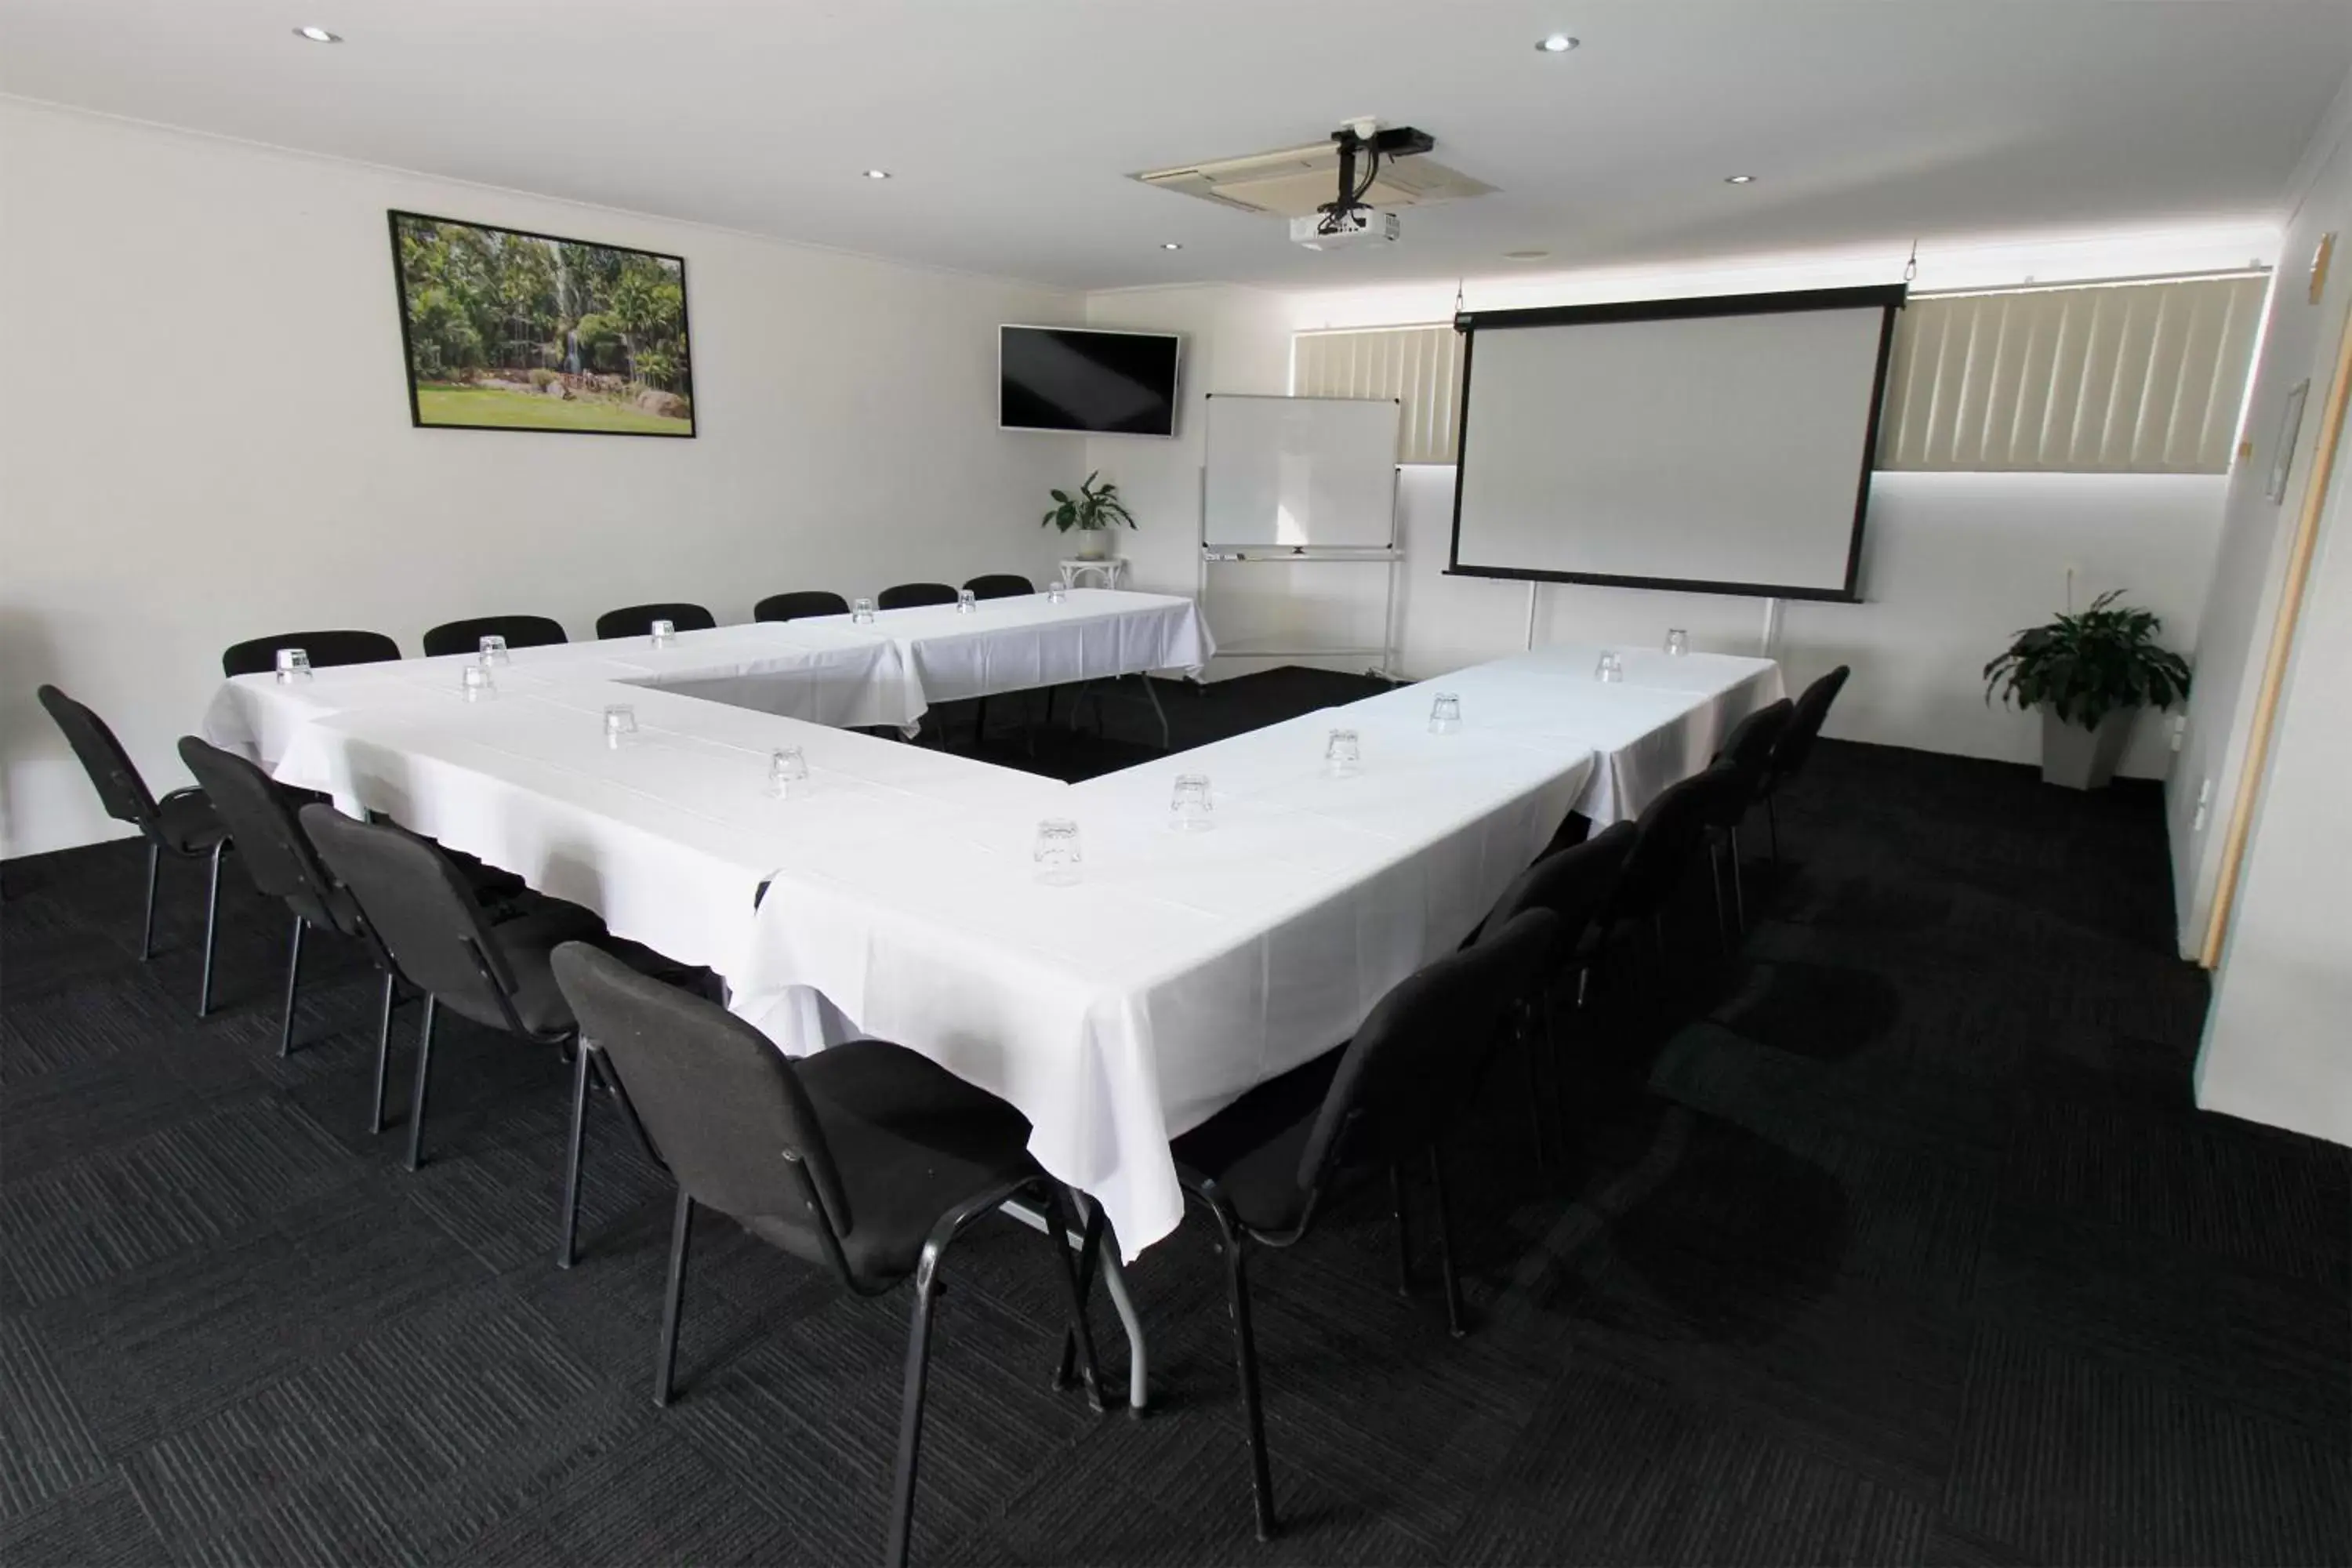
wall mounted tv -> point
(1097, 382)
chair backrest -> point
(466, 637)
(420, 910)
(1665, 838)
(1747, 752)
(637, 620)
(907, 596)
(257, 655)
(1575, 884)
(1421, 1052)
(797, 605)
(1804, 727)
(1000, 585)
(121, 790)
(270, 844)
(722, 1105)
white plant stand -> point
(1111, 571)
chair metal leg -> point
(1446, 1245)
(1153, 692)
(1772, 821)
(417, 1094)
(1714, 885)
(382, 1050)
(681, 1234)
(567, 1219)
(1738, 885)
(211, 918)
(147, 930)
(1403, 1230)
(1056, 1229)
(911, 1406)
(1245, 1355)
(293, 978)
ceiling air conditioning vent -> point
(1299, 181)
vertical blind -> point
(1421, 367)
(2142, 378)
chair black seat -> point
(911, 1140)
(1252, 1148)
(637, 620)
(908, 595)
(528, 941)
(466, 637)
(256, 656)
(799, 604)
(188, 823)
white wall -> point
(2278, 1040)
(1952, 563)
(2298, 345)
(204, 436)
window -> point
(2137, 378)
(1421, 367)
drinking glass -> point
(494, 650)
(861, 611)
(966, 601)
(1056, 594)
(1446, 714)
(293, 664)
(1190, 804)
(476, 682)
(1677, 643)
(663, 631)
(786, 767)
(1057, 852)
(1611, 667)
(1342, 755)
(620, 724)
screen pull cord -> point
(1911, 268)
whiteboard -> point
(1300, 471)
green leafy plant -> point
(2085, 666)
(1096, 506)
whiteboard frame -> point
(1291, 552)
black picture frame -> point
(1889, 297)
(393, 218)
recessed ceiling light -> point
(318, 34)
(1738, 179)
(877, 173)
(1557, 44)
(1169, 244)
(1525, 254)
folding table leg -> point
(1153, 692)
(681, 1235)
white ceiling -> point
(1010, 126)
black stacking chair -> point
(182, 822)
(1796, 743)
(1576, 885)
(866, 1159)
(1747, 751)
(441, 944)
(908, 595)
(1263, 1165)
(637, 620)
(466, 637)
(257, 656)
(282, 863)
(1000, 585)
(797, 606)
(1666, 839)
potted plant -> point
(2089, 674)
(1093, 511)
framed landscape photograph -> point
(509, 331)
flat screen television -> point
(1097, 382)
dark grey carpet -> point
(1894, 1240)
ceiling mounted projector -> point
(1347, 219)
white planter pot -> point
(2076, 758)
(1094, 544)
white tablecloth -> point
(1661, 723)
(1027, 641)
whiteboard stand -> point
(1301, 481)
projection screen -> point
(1713, 444)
